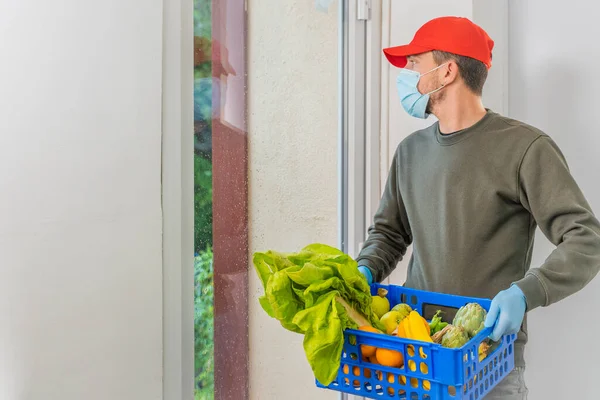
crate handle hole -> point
(451, 391)
(412, 365)
(352, 340)
(414, 382)
(427, 385)
(402, 380)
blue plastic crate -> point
(430, 371)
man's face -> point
(423, 63)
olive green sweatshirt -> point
(469, 203)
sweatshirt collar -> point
(458, 136)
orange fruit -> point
(368, 351)
(389, 358)
(373, 359)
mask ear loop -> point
(431, 70)
(436, 90)
(441, 87)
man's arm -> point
(390, 234)
(549, 192)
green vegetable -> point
(455, 338)
(471, 317)
(436, 323)
(317, 292)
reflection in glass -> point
(203, 213)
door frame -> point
(359, 126)
(178, 200)
(231, 369)
(359, 122)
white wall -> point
(292, 122)
(80, 212)
(553, 85)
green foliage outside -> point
(203, 215)
(202, 18)
(204, 325)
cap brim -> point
(397, 55)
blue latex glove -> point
(506, 312)
(367, 273)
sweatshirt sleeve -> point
(549, 192)
(389, 235)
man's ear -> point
(450, 72)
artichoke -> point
(471, 318)
(455, 337)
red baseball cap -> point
(456, 35)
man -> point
(468, 192)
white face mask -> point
(413, 102)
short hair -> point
(473, 72)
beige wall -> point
(292, 75)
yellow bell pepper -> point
(415, 327)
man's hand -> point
(506, 313)
(367, 273)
